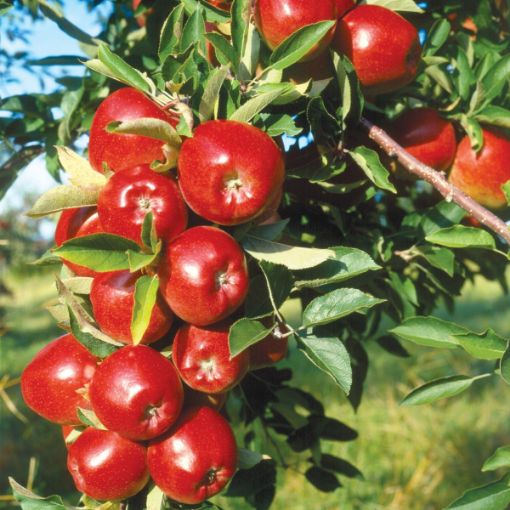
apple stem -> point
(437, 179)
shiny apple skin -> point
(77, 222)
(137, 393)
(342, 6)
(427, 136)
(270, 350)
(204, 276)
(51, 381)
(278, 19)
(202, 358)
(383, 47)
(230, 172)
(196, 459)
(129, 195)
(482, 175)
(106, 466)
(121, 152)
(112, 297)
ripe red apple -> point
(342, 6)
(278, 19)
(224, 5)
(204, 277)
(106, 466)
(202, 357)
(129, 195)
(383, 47)
(136, 392)
(196, 459)
(52, 384)
(112, 297)
(193, 398)
(427, 136)
(270, 350)
(482, 175)
(121, 152)
(229, 172)
(77, 222)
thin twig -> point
(436, 179)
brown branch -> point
(437, 179)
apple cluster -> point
(151, 412)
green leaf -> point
(63, 197)
(494, 115)
(429, 332)
(246, 332)
(155, 499)
(256, 104)
(269, 232)
(506, 190)
(147, 126)
(493, 496)
(194, 30)
(495, 80)
(297, 45)
(80, 173)
(221, 45)
(368, 160)
(397, 5)
(438, 389)
(138, 260)
(100, 252)
(279, 281)
(89, 418)
(122, 71)
(239, 28)
(487, 345)
(499, 459)
(212, 14)
(30, 501)
(437, 36)
(149, 235)
(146, 293)
(337, 304)
(211, 93)
(79, 284)
(473, 130)
(460, 236)
(504, 365)
(440, 258)
(246, 459)
(330, 355)
(171, 33)
(292, 257)
(347, 263)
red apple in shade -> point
(224, 5)
(270, 350)
(197, 457)
(202, 357)
(342, 6)
(482, 175)
(121, 152)
(383, 47)
(129, 195)
(230, 172)
(204, 277)
(193, 398)
(106, 466)
(53, 383)
(112, 297)
(77, 222)
(427, 136)
(278, 19)
(136, 392)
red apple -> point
(67, 430)
(427, 136)
(136, 392)
(342, 6)
(383, 47)
(224, 5)
(204, 277)
(482, 175)
(229, 172)
(53, 383)
(202, 357)
(112, 297)
(278, 19)
(77, 222)
(129, 195)
(121, 152)
(106, 466)
(142, 18)
(196, 459)
(193, 398)
(270, 350)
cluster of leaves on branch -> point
(368, 255)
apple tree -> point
(348, 158)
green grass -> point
(413, 458)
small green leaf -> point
(440, 258)
(146, 293)
(504, 365)
(149, 235)
(297, 45)
(138, 260)
(89, 418)
(256, 104)
(397, 5)
(506, 191)
(240, 13)
(147, 126)
(499, 459)
(337, 304)
(155, 499)
(445, 387)
(494, 115)
(437, 36)
(269, 232)
(30, 501)
(496, 78)
(279, 281)
(368, 160)
(487, 345)
(194, 29)
(100, 252)
(171, 33)
(81, 174)
(245, 332)
(330, 355)
(493, 496)
(63, 197)
(460, 236)
(246, 459)
(211, 93)
(221, 45)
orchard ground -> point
(407, 455)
